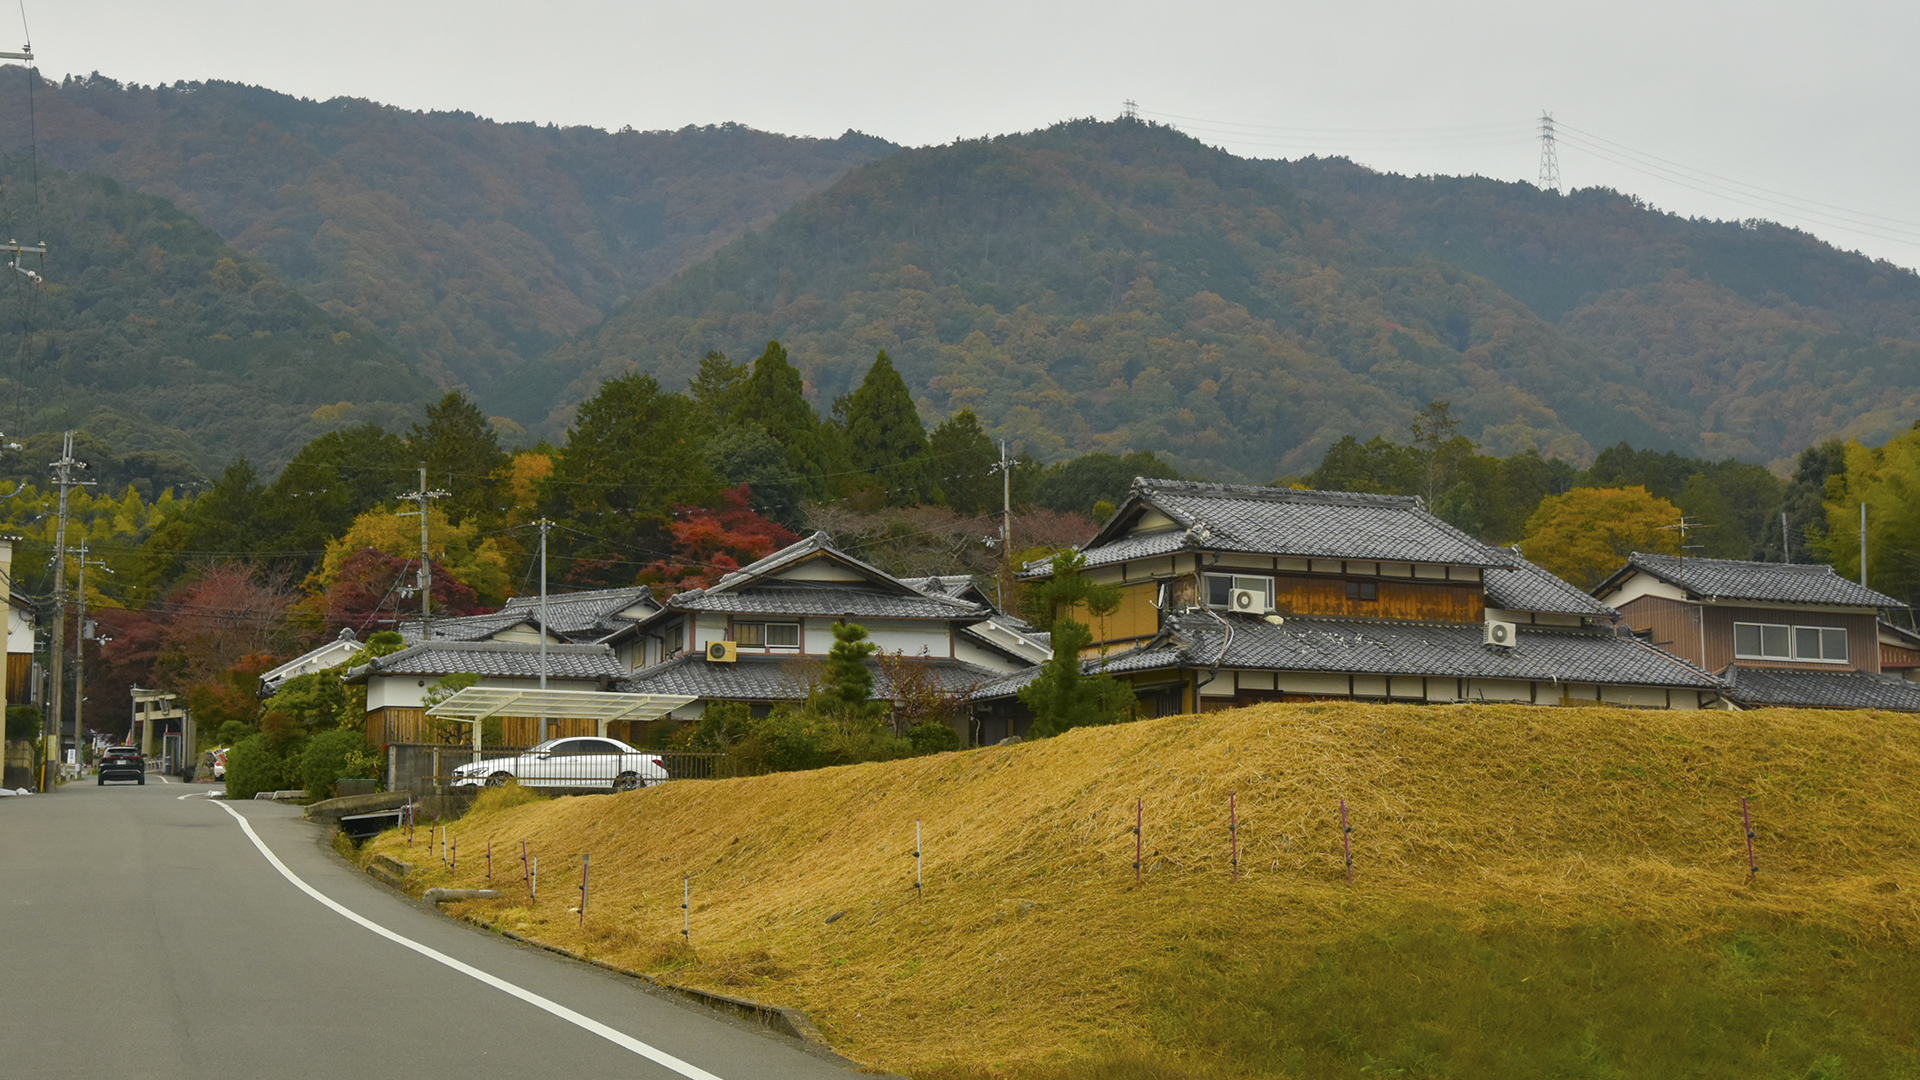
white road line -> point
(587, 1023)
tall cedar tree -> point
(332, 480)
(1062, 696)
(633, 454)
(774, 397)
(462, 453)
(963, 460)
(718, 387)
(885, 434)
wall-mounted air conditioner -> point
(1251, 600)
(1500, 633)
(722, 652)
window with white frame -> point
(1779, 641)
(1221, 587)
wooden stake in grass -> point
(686, 910)
(1139, 818)
(918, 866)
(453, 857)
(583, 888)
(533, 880)
(1346, 840)
(489, 858)
(1233, 837)
(1746, 815)
(526, 873)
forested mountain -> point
(152, 334)
(471, 245)
(1120, 285)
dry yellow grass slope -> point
(1026, 942)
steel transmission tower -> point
(1549, 156)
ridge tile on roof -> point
(1731, 579)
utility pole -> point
(1005, 468)
(544, 526)
(1863, 545)
(80, 648)
(57, 649)
(1549, 156)
(1786, 542)
(421, 498)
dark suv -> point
(122, 763)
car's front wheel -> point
(627, 781)
(103, 781)
(143, 780)
(499, 779)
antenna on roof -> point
(1683, 526)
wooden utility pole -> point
(56, 699)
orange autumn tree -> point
(1588, 533)
(710, 543)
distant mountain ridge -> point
(471, 245)
(1107, 285)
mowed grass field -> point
(1536, 892)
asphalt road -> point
(143, 934)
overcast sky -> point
(1799, 113)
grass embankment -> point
(1537, 892)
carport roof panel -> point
(480, 702)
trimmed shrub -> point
(258, 763)
(330, 757)
(933, 737)
(23, 722)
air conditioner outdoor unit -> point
(1251, 600)
(722, 652)
(1500, 633)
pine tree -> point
(886, 436)
(719, 386)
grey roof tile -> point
(779, 678)
(1522, 586)
(1391, 647)
(1281, 521)
(828, 600)
(1786, 583)
(494, 659)
(591, 613)
(1756, 687)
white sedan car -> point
(586, 762)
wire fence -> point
(440, 769)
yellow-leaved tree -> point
(478, 562)
(1588, 533)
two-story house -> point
(584, 617)
(398, 684)
(758, 636)
(1775, 633)
(1232, 595)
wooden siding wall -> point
(1863, 636)
(395, 724)
(1296, 594)
(19, 678)
(1676, 626)
(1673, 624)
(1892, 658)
(1135, 620)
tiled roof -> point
(467, 627)
(592, 613)
(778, 678)
(941, 584)
(1785, 583)
(494, 659)
(1821, 689)
(1392, 647)
(1522, 586)
(827, 599)
(1280, 521)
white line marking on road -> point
(214, 794)
(587, 1023)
